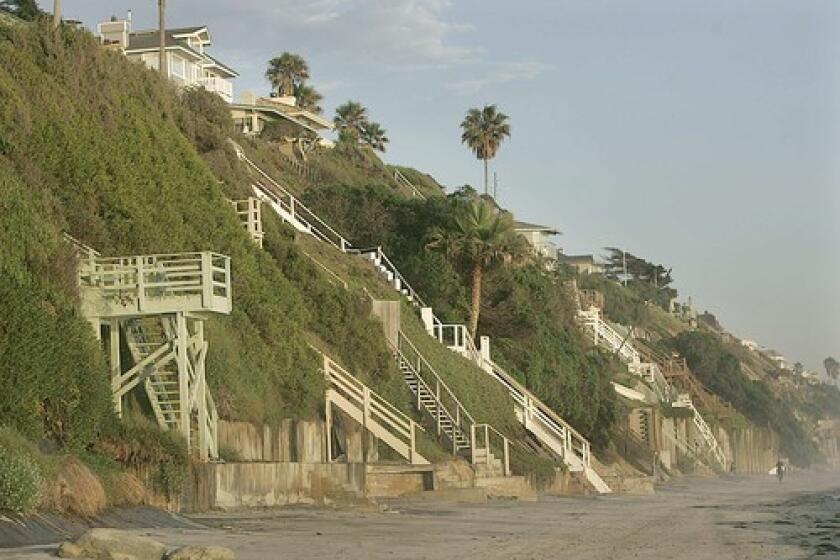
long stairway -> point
(551, 432)
(452, 420)
(605, 335)
(375, 414)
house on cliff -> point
(187, 61)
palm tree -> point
(832, 368)
(374, 136)
(307, 97)
(350, 120)
(483, 130)
(482, 236)
(162, 38)
(56, 13)
(287, 71)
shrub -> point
(75, 491)
(20, 481)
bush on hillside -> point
(105, 161)
(721, 372)
(20, 481)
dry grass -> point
(75, 491)
(129, 491)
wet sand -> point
(733, 517)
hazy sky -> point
(702, 135)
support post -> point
(507, 457)
(116, 366)
(206, 280)
(181, 341)
(201, 393)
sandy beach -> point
(734, 517)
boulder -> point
(201, 553)
(112, 544)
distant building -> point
(540, 238)
(780, 361)
(751, 345)
(187, 60)
(583, 264)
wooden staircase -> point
(145, 337)
(157, 305)
(375, 414)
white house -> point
(187, 60)
(540, 238)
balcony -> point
(113, 287)
(219, 86)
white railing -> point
(482, 436)
(456, 337)
(199, 280)
(290, 208)
(389, 270)
(684, 401)
(573, 444)
(250, 216)
(403, 180)
(605, 335)
(450, 416)
(220, 86)
(374, 413)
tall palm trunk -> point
(486, 178)
(162, 32)
(56, 13)
(476, 298)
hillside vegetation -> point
(102, 148)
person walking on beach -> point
(780, 469)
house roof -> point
(526, 226)
(578, 258)
(296, 112)
(274, 112)
(149, 40)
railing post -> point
(366, 407)
(487, 444)
(472, 444)
(438, 406)
(141, 284)
(206, 280)
(413, 440)
(507, 456)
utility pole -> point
(56, 21)
(162, 25)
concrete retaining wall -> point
(297, 441)
(249, 485)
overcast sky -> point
(702, 135)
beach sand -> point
(734, 517)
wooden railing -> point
(373, 412)
(198, 281)
(250, 216)
(290, 208)
(604, 334)
(573, 444)
(485, 438)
